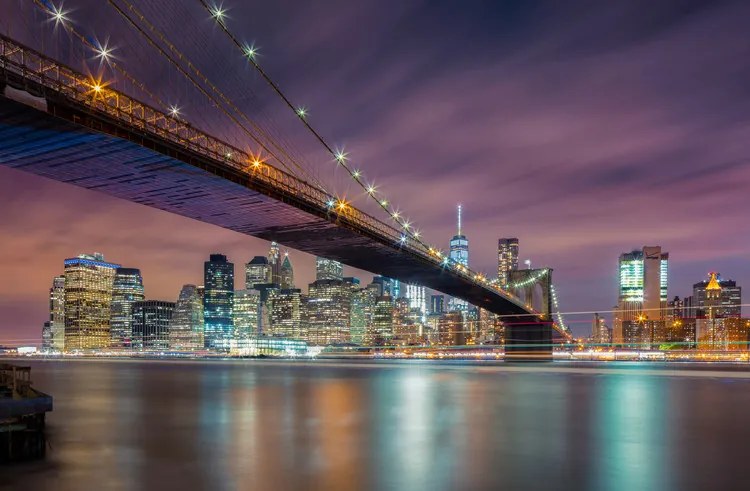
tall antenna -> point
(459, 219)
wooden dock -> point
(22, 414)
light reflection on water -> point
(135, 425)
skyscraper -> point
(47, 336)
(286, 314)
(382, 322)
(730, 301)
(57, 313)
(88, 298)
(257, 271)
(151, 319)
(642, 294)
(328, 311)
(437, 304)
(245, 313)
(507, 258)
(274, 262)
(416, 297)
(328, 269)
(218, 283)
(186, 324)
(459, 253)
(127, 289)
(710, 329)
(287, 273)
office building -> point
(274, 263)
(57, 314)
(328, 269)
(257, 271)
(151, 320)
(437, 304)
(218, 295)
(416, 296)
(286, 314)
(710, 327)
(287, 273)
(600, 333)
(362, 310)
(458, 254)
(729, 302)
(127, 289)
(381, 331)
(451, 329)
(245, 313)
(88, 300)
(186, 324)
(387, 286)
(328, 311)
(507, 259)
(47, 336)
(642, 294)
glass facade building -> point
(328, 269)
(507, 258)
(88, 300)
(245, 313)
(459, 253)
(218, 295)
(286, 314)
(186, 324)
(126, 290)
(151, 320)
(257, 271)
(328, 310)
(57, 313)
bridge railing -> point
(95, 95)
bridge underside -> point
(143, 169)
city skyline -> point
(684, 203)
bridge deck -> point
(71, 144)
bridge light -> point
(402, 239)
(371, 190)
(356, 174)
(58, 14)
(251, 51)
(218, 12)
(330, 203)
(395, 215)
(384, 203)
(229, 155)
(97, 87)
(302, 112)
(174, 111)
(341, 156)
(416, 234)
(256, 164)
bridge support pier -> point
(529, 342)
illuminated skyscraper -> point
(437, 304)
(417, 301)
(382, 322)
(730, 300)
(360, 319)
(258, 270)
(151, 320)
(507, 258)
(287, 273)
(218, 283)
(328, 311)
(88, 300)
(274, 262)
(47, 336)
(328, 269)
(245, 313)
(127, 289)
(459, 253)
(57, 313)
(642, 293)
(286, 314)
(186, 324)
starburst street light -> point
(174, 111)
(251, 51)
(302, 112)
(356, 174)
(370, 189)
(341, 156)
(103, 52)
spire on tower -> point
(459, 219)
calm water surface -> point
(269, 425)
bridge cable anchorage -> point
(218, 14)
(255, 137)
(341, 157)
(57, 13)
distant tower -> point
(328, 269)
(507, 258)
(274, 261)
(287, 273)
(258, 270)
(459, 253)
(186, 324)
(128, 289)
(218, 295)
(57, 313)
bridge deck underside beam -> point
(140, 168)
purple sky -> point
(586, 130)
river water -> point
(330, 425)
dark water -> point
(266, 425)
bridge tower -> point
(531, 339)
